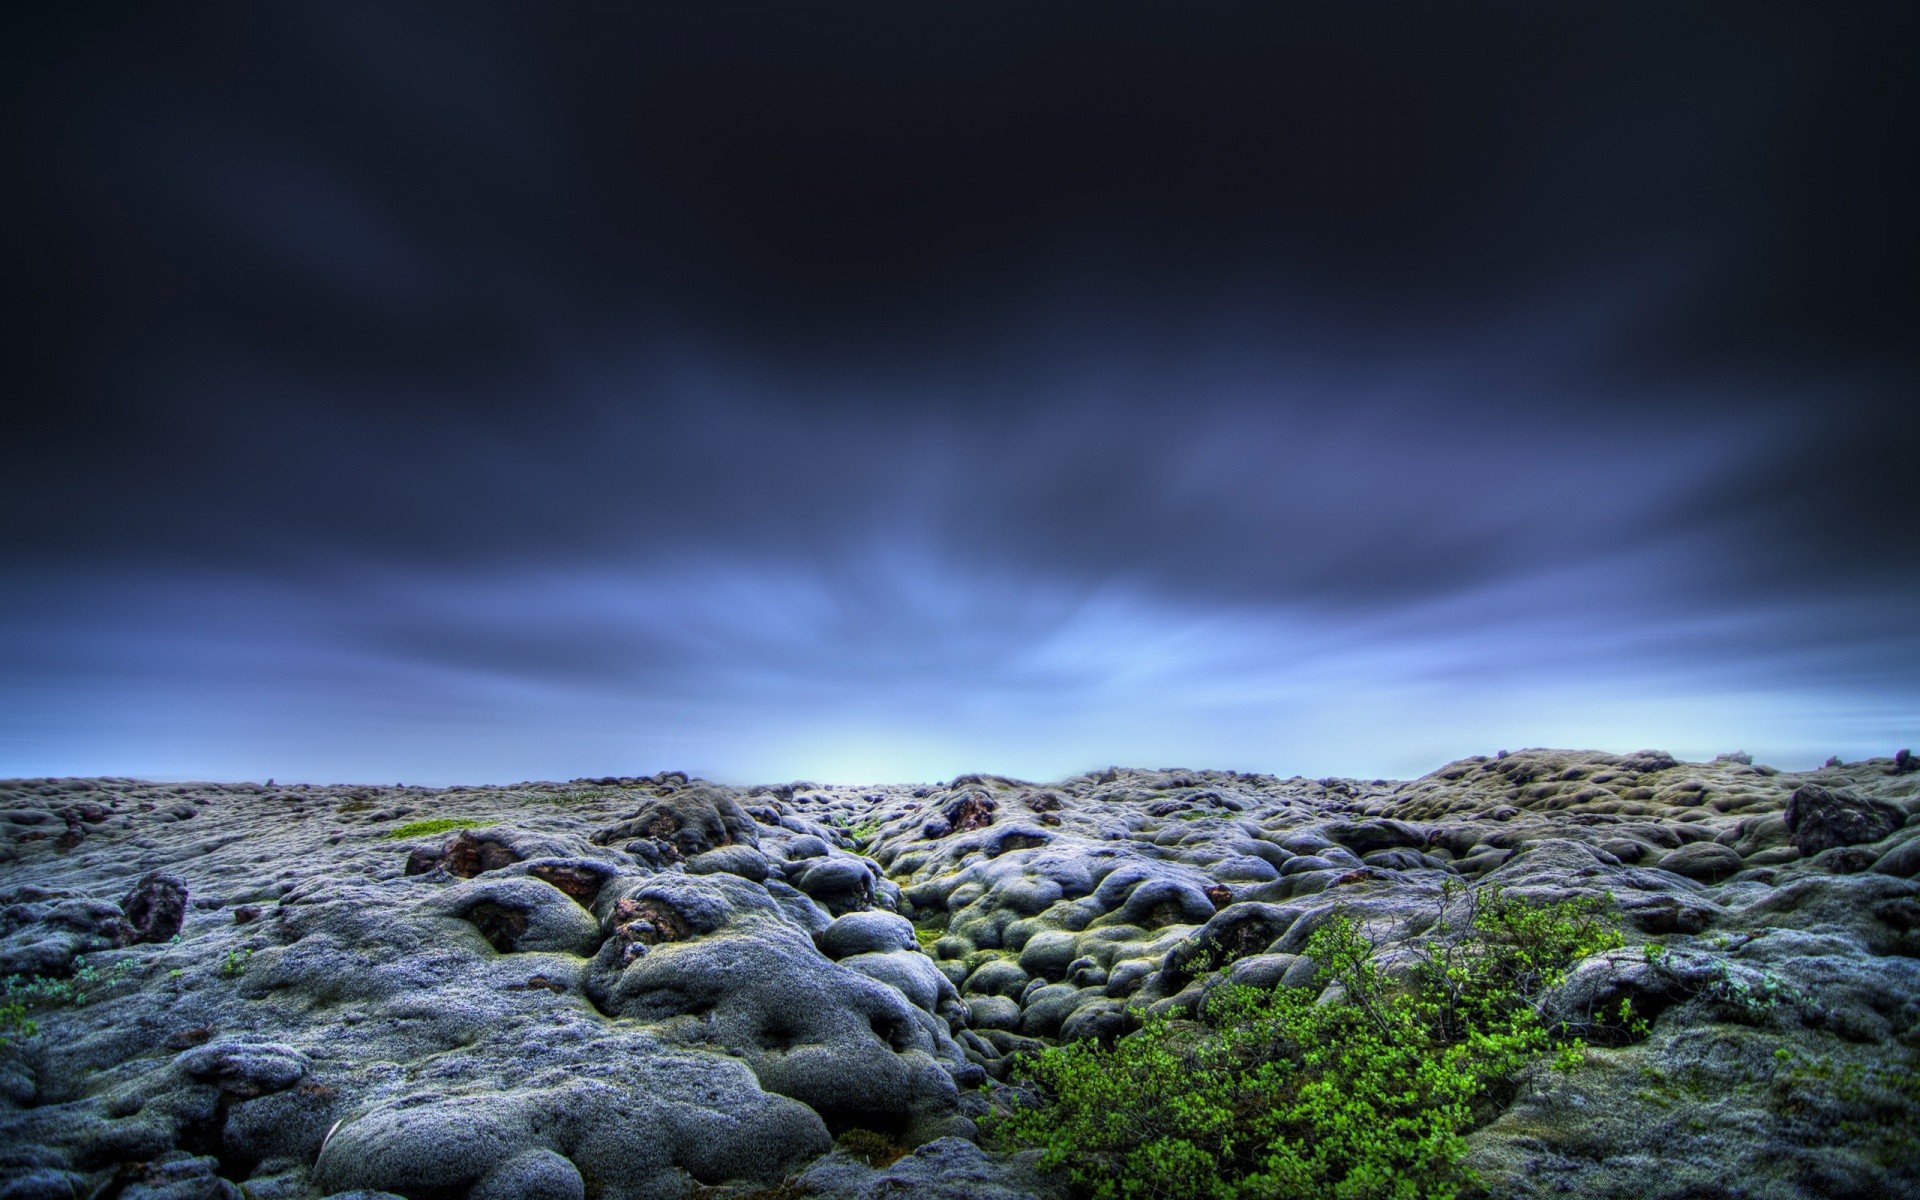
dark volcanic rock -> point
(971, 811)
(155, 908)
(686, 823)
(1821, 818)
(464, 855)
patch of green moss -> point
(861, 832)
(417, 829)
(1665, 1089)
(1871, 1103)
(582, 796)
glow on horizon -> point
(902, 667)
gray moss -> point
(631, 988)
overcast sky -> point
(462, 393)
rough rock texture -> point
(660, 987)
(1821, 818)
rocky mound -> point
(658, 987)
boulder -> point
(745, 861)
(992, 1012)
(524, 913)
(1704, 862)
(246, 1069)
(1821, 818)
(1903, 859)
(465, 855)
(42, 931)
(155, 908)
(974, 810)
(867, 933)
(1367, 836)
(533, 1175)
(840, 884)
(996, 977)
(686, 823)
(910, 973)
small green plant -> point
(1569, 1055)
(40, 991)
(1628, 1020)
(1278, 1096)
(15, 1024)
(234, 965)
(21, 994)
(1751, 1001)
(928, 938)
(427, 828)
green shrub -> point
(1275, 1095)
(417, 829)
(234, 965)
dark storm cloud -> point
(700, 370)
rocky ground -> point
(658, 987)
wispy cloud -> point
(563, 393)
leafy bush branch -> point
(1362, 1086)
